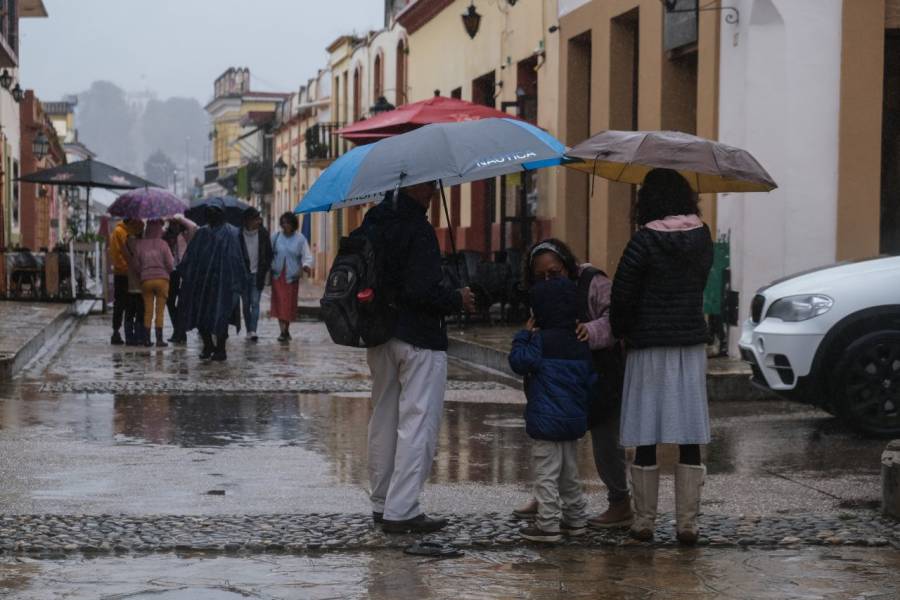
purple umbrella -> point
(147, 203)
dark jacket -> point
(265, 256)
(657, 294)
(213, 273)
(559, 374)
(412, 271)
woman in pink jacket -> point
(154, 262)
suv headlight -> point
(800, 308)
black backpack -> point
(358, 307)
(609, 363)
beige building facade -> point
(511, 64)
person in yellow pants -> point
(154, 263)
(155, 290)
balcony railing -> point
(323, 142)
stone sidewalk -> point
(489, 346)
(49, 536)
(25, 328)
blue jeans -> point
(250, 302)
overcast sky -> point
(178, 47)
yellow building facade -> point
(232, 102)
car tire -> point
(867, 384)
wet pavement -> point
(176, 428)
(521, 573)
(136, 456)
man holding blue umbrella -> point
(409, 372)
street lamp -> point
(471, 20)
(5, 79)
(18, 93)
(40, 145)
(280, 169)
(381, 105)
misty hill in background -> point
(126, 129)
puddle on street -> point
(478, 442)
(524, 573)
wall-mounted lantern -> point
(280, 169)
(40, 146)
(471, 20)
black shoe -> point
(378, 517)
(208, 347)
(536, 534)
(421, 524)
(284, 337)
(219, 356)
(116, 339)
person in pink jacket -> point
(154, 262)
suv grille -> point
(756, 307)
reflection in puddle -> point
(478, 442)
(536, 574)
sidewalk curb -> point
(720, 386)
(11, 364)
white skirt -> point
(665, 399)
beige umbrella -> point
(708, 166)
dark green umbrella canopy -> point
(88, 173)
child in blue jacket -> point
(559, 377)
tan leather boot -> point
(645, 491)
(618, 514)
(688, 483)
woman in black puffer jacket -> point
(657, 308)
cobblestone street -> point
(114, 452)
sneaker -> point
(536, 534)
(527, 510)
(253, 337)
(116, 339)
(421, 524)
(619, 514)
(572, 530)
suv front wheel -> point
(867, 378)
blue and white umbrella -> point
(451, 153)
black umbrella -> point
(234, 210)
(90, 174)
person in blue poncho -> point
(213, 272)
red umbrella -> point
(436, 109)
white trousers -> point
(408, 398)
(556, 485)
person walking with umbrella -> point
(178, 235)
(214, 271)
(154, 262)
(118, 258)
(257, 246)
(657, 308)
(291, 258)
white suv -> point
(831, 337)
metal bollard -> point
(890, 480)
